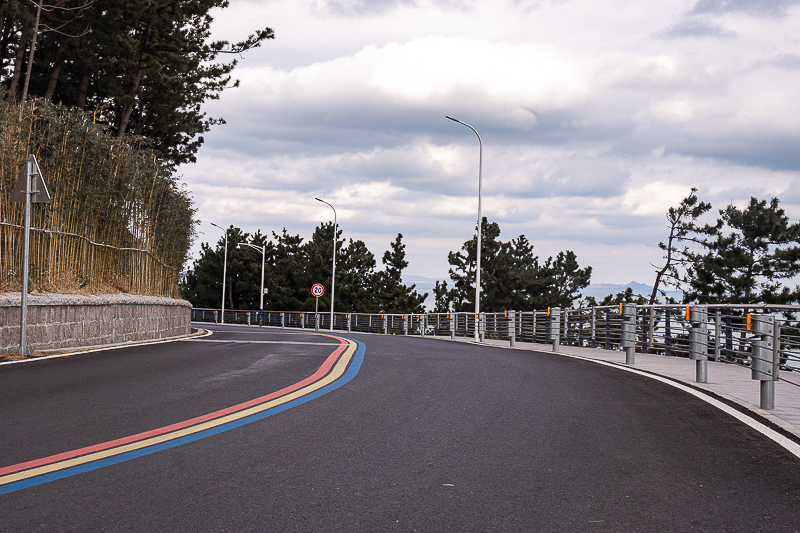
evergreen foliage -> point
(293, 266)
(746, 257)
(141, 67)
(512, 276)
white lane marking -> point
(787, 443)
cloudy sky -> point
(596, 117)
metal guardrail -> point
(764, 338)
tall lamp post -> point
(333, 276)
(478, 249)
(263, 261)
(224, 272)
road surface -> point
(426, 435)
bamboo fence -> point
(118, 220)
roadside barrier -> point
(765, 338)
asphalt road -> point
(428, 436)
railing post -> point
(667, 332)
(533, 333)
(349, 323)
(629, 332)
(451, 321)
(717, 335)
(512, 329)
(698, 340)
(481, 325)
(608, 328)
(594, 328)
(385, 325)
(646, 311)
(405, 325)
(555, 328)
(763, 357)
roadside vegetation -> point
(107, 95)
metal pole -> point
(224, 273)
(333, 276)
(478, 248)
(26, 252)
(263, 264)
(261, 308)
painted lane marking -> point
(221, 341)
(345, 362)
(320, 373)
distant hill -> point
(598, 290)
(601, 290)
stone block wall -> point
(65, 321)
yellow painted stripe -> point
(338, 370)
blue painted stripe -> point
(352, 370)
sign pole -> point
(30, 188)
(26, 252)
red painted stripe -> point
(319, 374)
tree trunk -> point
(56, 72)
(12, 90)
(83, 89)
(33, 50)
(127, 109)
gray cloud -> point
(763, 8)
(698, 27)
(360, 7)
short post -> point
(482, 326)
(451, 319)
(283, 320)
(423, 321)
(349, 323)
(698, 340)
(763, 358)
(385, 325)
(302, 321)
(512, 328)
(629, 332)
(555, 328)
(405, 325)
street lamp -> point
(333, 276)
(478, 249)
(224, 272)
(263, 262)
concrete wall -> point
(64, 321)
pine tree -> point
(749, 253)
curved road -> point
(428, 435)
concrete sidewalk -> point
(728, 381)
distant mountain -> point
(601, 290)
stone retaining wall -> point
(65, 321)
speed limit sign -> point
(317, 290)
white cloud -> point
(595, 120)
